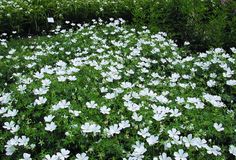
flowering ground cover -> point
(108, 91)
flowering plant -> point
(108, 91)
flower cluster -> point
(109, 91)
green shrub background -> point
(204, 23)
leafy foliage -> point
(205, 24)
(109, 91)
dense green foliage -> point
(89, 89)
(109, 91)
(30, 16)
(204, 23)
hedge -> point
(204, 24)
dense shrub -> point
(205, 24)
(30, 16)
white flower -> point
(88, 128)
(188, 141)
(139, 149)
(105, 110)
(10, 113)
(114, 129)
(64, 104)
(12, 51)
(231, 82)
(127, 97)
(179, 100)
(10, 149)
(159, 116)
(40, 91)
(100, 50)
(124, 124)
(23, 141)
(233, 49)
(218, 127)
(81, 156)
(228, 72)
(5, 98)
(180, 155)
(215, 150)
(72, 78)
(164, 156)
(61, 78)
(63, 154)
(211, 83)
(46, 82)
(13, 141)
(61, 105)
(38, 75)
(75, 113)
(104, 90)
(126, 85)
(175, 113)
(21, 88)
(214, 100)
(11, 126)
(173, 133)
(196, 101)
(91, 104)
(174, 77)
(213, 75)
(3, 110)
(31, 65)
(40, 101)
(54, 157)
(110, 95)
(26, 156)
(50, 126)
(199, 142)
(49, 118)
(136, 117)
(144, 132)
(15, 128)
(232, 150)
(136, 95)
(152, 140)
(162, 99)
(132, 106)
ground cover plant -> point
(109, 91)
